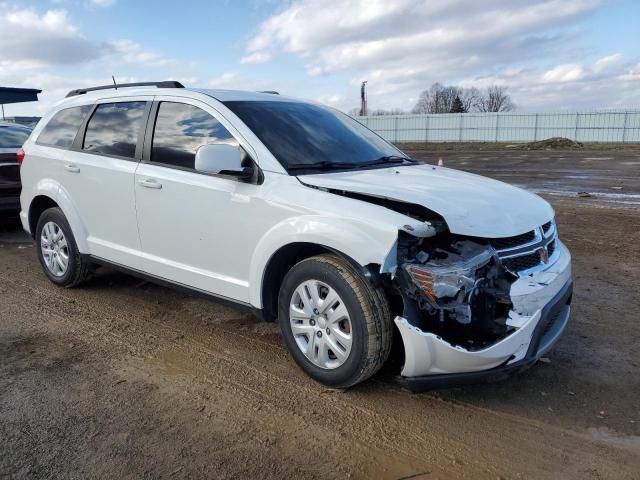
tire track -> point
(242, 374)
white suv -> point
(303, 215)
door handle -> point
(150, 183)
(70, 167)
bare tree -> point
(440, 99)
(469, 97)
(422, 105)
(432, 100)
(393, 111)
(494, 99)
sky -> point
(552, 55)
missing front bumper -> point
(541, 312)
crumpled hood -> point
(470, 204)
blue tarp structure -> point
(17, 95)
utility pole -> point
(363, 99)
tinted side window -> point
(180, 130)
(114, 129)
(62, 128)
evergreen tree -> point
(458, 106)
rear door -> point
(98, 174)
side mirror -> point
(222, 159)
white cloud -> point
(632, 74)
(235, 81)
(607, 62)
(609, 81)
(404, 46)
(103, 3)
(52, 39)
(257, 57)
(32, 43)
(564, 73)
(54, 87)
(332, 99)
(343, 35)
(49, 38)
(131, 52)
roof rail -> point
(165, 84)
(273, 92)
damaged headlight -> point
(449, 280)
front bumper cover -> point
(541, 312)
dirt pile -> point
(552, 144)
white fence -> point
(605, 126)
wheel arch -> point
(38, 205)
(285, 258)
(295, 239)
(277, 267)
(50, 194)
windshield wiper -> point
(327, 165)
(323, 165)
(391, 159)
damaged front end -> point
(457, 290)
(465, 310)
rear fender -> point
(56, 192)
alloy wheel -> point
(55, 250)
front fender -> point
(363, 243)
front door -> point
(193, 226)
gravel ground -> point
(124, 379)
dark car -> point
(12, 137)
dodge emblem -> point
(544, 255)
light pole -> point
(363, 99)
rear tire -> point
(57, 250)
(335, 323)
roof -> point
(142, 88)
(133, 91)
(18, 95)
(241, 95)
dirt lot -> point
(124, 379)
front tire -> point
(335, 323)
(57, 250)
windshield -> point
(13, 136)
(305, 137)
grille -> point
(551, 247)
(511, 242)
(521, 252)
(524, 262)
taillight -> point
(20, 156)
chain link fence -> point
(612, 126)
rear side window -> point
(180, 130)
(13, 137)
(114, 129)
(62, 128)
